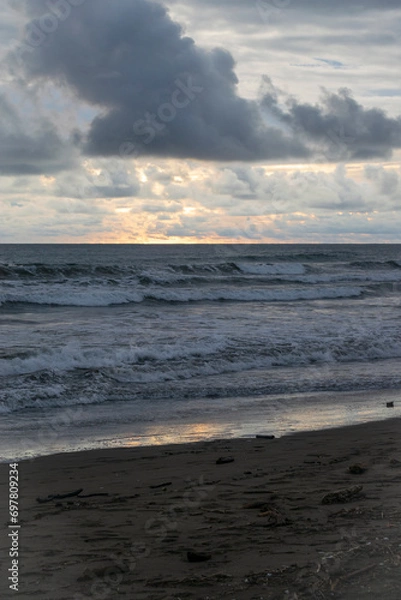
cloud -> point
(387, 182)
(250, 16)
(160, 94)
(30, 148)
(98, 179)
(330, 204)
(157, 91)
(232, 8)
(343, 128)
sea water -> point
(110, 345)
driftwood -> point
(348, 576)
(74, 494)
(92, 495)
(160, 485)
(51, 497)
(357, 572)
(257, 504)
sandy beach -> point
(175, 522)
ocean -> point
(123, 345)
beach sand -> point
(258, 521)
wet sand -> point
(256, 526)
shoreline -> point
(246, 438)
(114, 425)
(259, 518)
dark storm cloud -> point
(341, 126)
(158, 92)
(34, 152)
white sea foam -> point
(188, 377)
(74, 356)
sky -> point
(227, 121)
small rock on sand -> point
(224, 460)
(197, 556)
(356, 469)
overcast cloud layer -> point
(99, 99)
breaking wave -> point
(106, 297)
